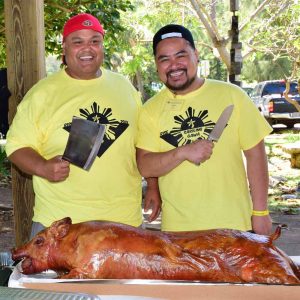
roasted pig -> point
(107, 250)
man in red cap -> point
(80, 63)
(111, 189)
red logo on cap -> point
(87, 23)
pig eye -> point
(39, 241)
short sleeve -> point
(253, 127)
(24, 130)
(148, 132)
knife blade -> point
(221, 124)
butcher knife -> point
(84, 142)
(220, 125)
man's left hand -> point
(262, 224)
(152, 201)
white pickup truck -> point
(269, 99)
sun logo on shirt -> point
(114, 127)
(188, 128)
(104, 117)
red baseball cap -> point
(82, 21)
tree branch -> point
(288, 99)
(56, 5)
(254, 14)
(218, 42)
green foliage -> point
(263, 67)
(141, 25)
(2, 35)
(130, 26)
(52, 64)
(217, 68)
(277, 39)
(292, 138)
(290, 203)
(290, 206)
(57, 12)
(4, 164)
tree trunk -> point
(24, 30)
(139, 81)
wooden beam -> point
(24, 30)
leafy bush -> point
(4, 164)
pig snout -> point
(28, 264)
(18, 254)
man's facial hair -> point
(182, 87)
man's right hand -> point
(198, 151)
(55, 169)
(32, 163)
(157, 164)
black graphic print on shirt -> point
(188, 128)
(114, 128)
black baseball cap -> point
(171, 31)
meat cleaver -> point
(221, 124)
(84, 142)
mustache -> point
(171, 71)
(86, 53)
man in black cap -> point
(173, 140)
(191, 80)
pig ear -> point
(59, 229)
(62, 231)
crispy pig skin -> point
(107, 250)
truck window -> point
(279, 88)
(255, 91)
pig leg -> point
(202, 266)
(76, 273)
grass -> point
(283, 195)
(4, 164)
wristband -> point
(260, 213)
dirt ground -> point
(7, 238)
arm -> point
(152, 198)
(156, 164)
(32, 163)
(257, 171)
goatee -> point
(181, 87)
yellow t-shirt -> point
(111, 189)
(214, 194)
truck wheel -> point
(270, 121)
(289, 124)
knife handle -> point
(209, 139)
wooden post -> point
(236, 59)
(24, 30)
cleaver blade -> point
(84, 142)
